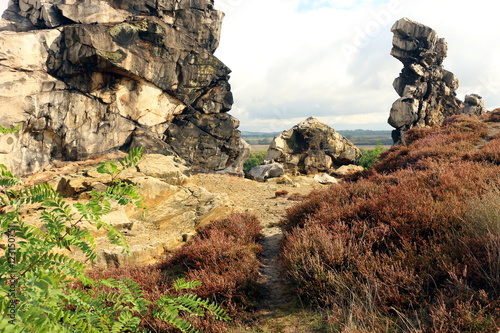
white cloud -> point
(332, 60)
(3, 5)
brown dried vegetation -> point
(413, 246)
(281, 194)
(223, 256)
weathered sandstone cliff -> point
(86, 77)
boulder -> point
(325, 179)
(350, 169)
(263, 172)
(426, 89)
(474, 104)
(166, 168)
(87, 77)
(311, 147)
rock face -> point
(85, 77)
(427, 90)
(175, 209)
(311, 147)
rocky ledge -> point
(87, 77)
(175, 206)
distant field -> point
(369, 147)
(257, 148)
(361, 138)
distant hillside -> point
(358, 137)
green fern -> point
(42, 274)
(182, 284)
(7, 178)
(191, 304)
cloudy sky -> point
(330, 58)
(291, 59)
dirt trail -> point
(276, 293)
(260, 199)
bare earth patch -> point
(274, 313)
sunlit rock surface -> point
(86, 77)
(426, 89)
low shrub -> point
(256, 158)
(223, 256)
(412, 239)
(370, 156)
(279, 194)
(494, 116)
(490, 152)
(453, 142)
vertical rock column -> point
(426, 89)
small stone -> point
(325, 179)
(348, 170)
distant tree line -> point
(358, 137)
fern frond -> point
(109, 168)
(173, 319)
(182, 284)
(133, 158)
(7, 178)
(124, 193)
(35, 194)
(216, 310)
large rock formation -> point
(85, 77)
(176, 207)
(427, 90)
(311, 147)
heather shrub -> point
(450, 143)
(245, 228)
(224, 257)
(281, 194)
(494, 116)
(413, 246)
(466, 124)
(490, 152)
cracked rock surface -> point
(88, 77)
